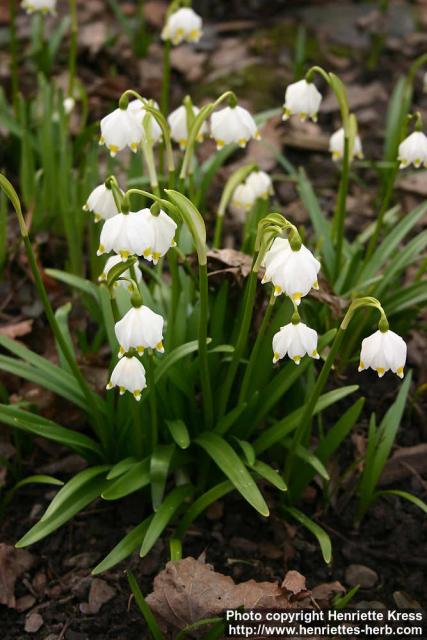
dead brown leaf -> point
(264, 152)
(188, 62)
(232, 260)
(189, 590)
(358, 96)
(155, 11)
(13, 563)
(404, 463)
(100, 593)
(17, 329)
(323, 593)
(294, 584)
(415, 183)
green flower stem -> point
(13, 197)
(203, 350)
(164, 101)
(385, 203)
(13, 55)
(201, 117)
(72, 56)
(218, 232)
(301, 434)
(153, 400)
(241, 340)
(174, 272)
(151, 166)
(340, 211)
(250, 369)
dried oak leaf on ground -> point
(13, 563)
(189, 590)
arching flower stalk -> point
(382, 353)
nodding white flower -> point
(128, 375)
(140, 329)
(261, 183)
(336, 146)
(45, 6)
(295, 340)
(163, 229)
(136, 108)
(382, 351)
(69, 104)
(126, 234)
(413, 150)
(178, 123)
(138, 233)
(292, 272)
(233, 124)
(101, 203)
(111, 262)
(120, 129)
(302, 98)
(184, 24)
(243, 197)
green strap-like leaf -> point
(75, 503)
(145, 609)
(321, 535)
(159, 468)
(72, 487)
(124, 548)
(201, 504)
(31, 423)
(179, 433)
(135, 478)
(406, 496)
(164, 515)
(271, 475)
(229, 462)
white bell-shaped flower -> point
(121, 282)
(138, 233)
(140, 329)
(295, 340)
(383, 351)
(183, 25)
(261, 183)
(243, 197)
(233, 124)
(413, 150)
(336, 146)
(128, 375)
(163, 233)
(44, 6)
(136, 108)
(120, 129)
(69, 104)
(302, 98)
(291, 272)
(178, 123)
(127, 234)
(101, 203)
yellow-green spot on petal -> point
(109, 385)
(380, 371)
(140, 349)
(315, 284)
(242, 142)
(277, 290)
(147, 252)
(399, 372)
(124, 255)
(296, 297)
(134, 146)
(297, 359)
(276, 357)
(160, 347)
(113, 149)
(137, 394)
(219, 144)
(101, 249)
(122, 390)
